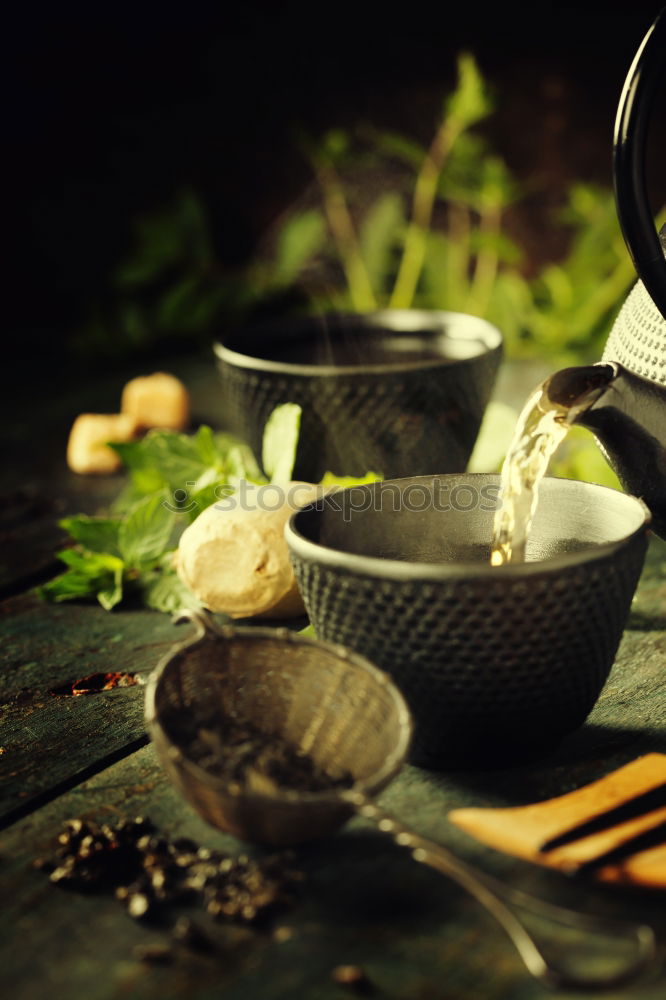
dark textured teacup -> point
(399, 392)
(496, 663)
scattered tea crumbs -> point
(148, 874)
(96, 682)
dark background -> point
(108, 114)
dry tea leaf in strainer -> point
(334, 707)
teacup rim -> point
(427, 572)
(389, 319)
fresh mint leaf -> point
(205, 497)
(162, 458)
(98, 534)
(165, 591)
(130, 452)
(280, 442)
(95, 564)
(69, 586)
(228, 457)
(145, 532)
(208, 448)
(146, 478)
(241, 464)
(109, 596)
(129, 495)
(183, 465)
(90, 574)
(330, 479)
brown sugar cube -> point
(158, 400)
(87, 450)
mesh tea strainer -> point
(347, 716)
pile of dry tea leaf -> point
(149, 874)
(241, 753)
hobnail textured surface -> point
(637, 340)
(406, 421)
(328, 702)
(492, 663)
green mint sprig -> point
(172, 478)
(194, 469)
(116, 558)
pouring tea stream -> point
(551, 409)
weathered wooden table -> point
(363, 901)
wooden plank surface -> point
(363, 902)
(48, 740)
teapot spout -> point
(575, 390)
(628, 418)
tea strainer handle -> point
(505, 904)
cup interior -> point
(438, 523)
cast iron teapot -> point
(629, 414)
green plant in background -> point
(573, 303)
(433, 234)
(391, 225)
(388, 224)
(407, 252)
(170, 286)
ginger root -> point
(235, 559)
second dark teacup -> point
(397, 392)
